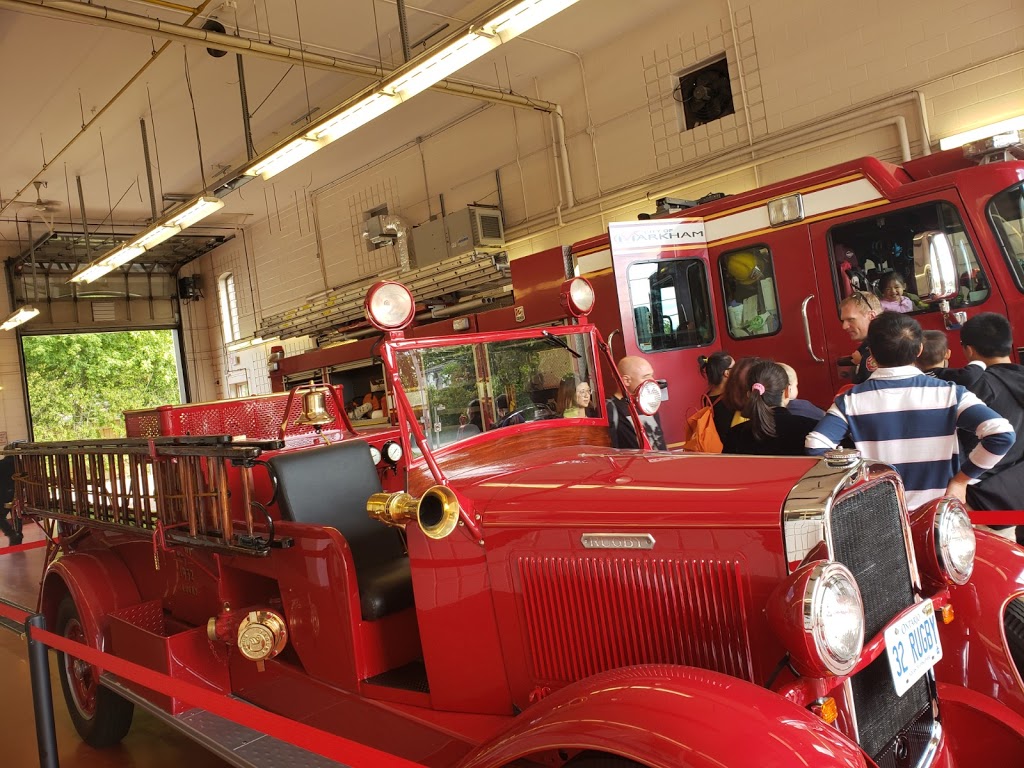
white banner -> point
(629, 236)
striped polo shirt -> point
(909, 420)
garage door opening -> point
(79, 384)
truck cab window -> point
(876, 253)
(671, 304)
(1006, 214)
(748, 287)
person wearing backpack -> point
(701, 430)
(771, 429)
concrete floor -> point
(149, 744)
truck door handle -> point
(807, 330)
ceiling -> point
(74, 95)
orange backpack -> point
(702, 434)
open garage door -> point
(79, 384)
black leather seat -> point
(329, 486)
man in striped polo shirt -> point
(909, 420)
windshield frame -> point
(1012, 260)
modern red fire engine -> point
(490, 584)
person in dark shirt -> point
(771, 429)
(987, 338)
(791, 398)
(634, 371)
(6, 497)
(728, 409)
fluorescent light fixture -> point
(984, 132)
(21, 315)
(285, 157)
(167, 227)
(235, 346)
(195, 212)
(408, 81)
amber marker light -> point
(947, 614)
(826, 708)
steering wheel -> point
(532, 412)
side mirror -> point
(934, 266)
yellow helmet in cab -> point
(744, 267)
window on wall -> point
(876, 254)
(671, 304)
(228, 308)
(748, 287)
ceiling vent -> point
(705, 93)
(103, 312)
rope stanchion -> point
(42, 693)
(323, 743)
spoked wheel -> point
(101, 717)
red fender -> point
(974, 652)
(99, 583)
(672, 717)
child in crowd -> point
(771, 429)
(934, 356)
(892, 286)
(716, 368)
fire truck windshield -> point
(1006, 213)
(457, 391)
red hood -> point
(583, 485)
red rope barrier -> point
(293, 732)
(1003, 517)
(13, 613)
(22, 547)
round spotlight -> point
(577, 296)
(389, 306)
(648, 397)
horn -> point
(314, 409)
(436, 511)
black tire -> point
(601, 760)
(101, 717)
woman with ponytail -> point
(770, 429)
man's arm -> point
(994, 433)
(829, 432)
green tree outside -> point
(80, 384)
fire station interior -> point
(117, 121)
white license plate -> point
(912, 645)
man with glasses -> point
(856, 312)
(634, 371)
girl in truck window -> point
(892, 286)
(771, 429)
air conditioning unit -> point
(475, 227)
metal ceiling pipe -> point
(250, 149)
(66, 10)
(149, 167)
(403, 29)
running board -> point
(237, 745)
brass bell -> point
(314, 409)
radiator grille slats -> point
(867, 536)
(585, 615)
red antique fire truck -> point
(490, 584)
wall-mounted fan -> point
(706, 93)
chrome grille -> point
(867, 537)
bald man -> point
(634, 371)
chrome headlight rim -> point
(825, 577)
(950, 515)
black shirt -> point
(621, 426)
(790, 431)
(1001, 388)
(866, 366)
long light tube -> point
(21, 315)
(984, 132)
(407, 82)
(167, 227)
(235, 346)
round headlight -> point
(834, 616)
(578, 296)
(389, 306)
(648, 397)
(955, 544)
